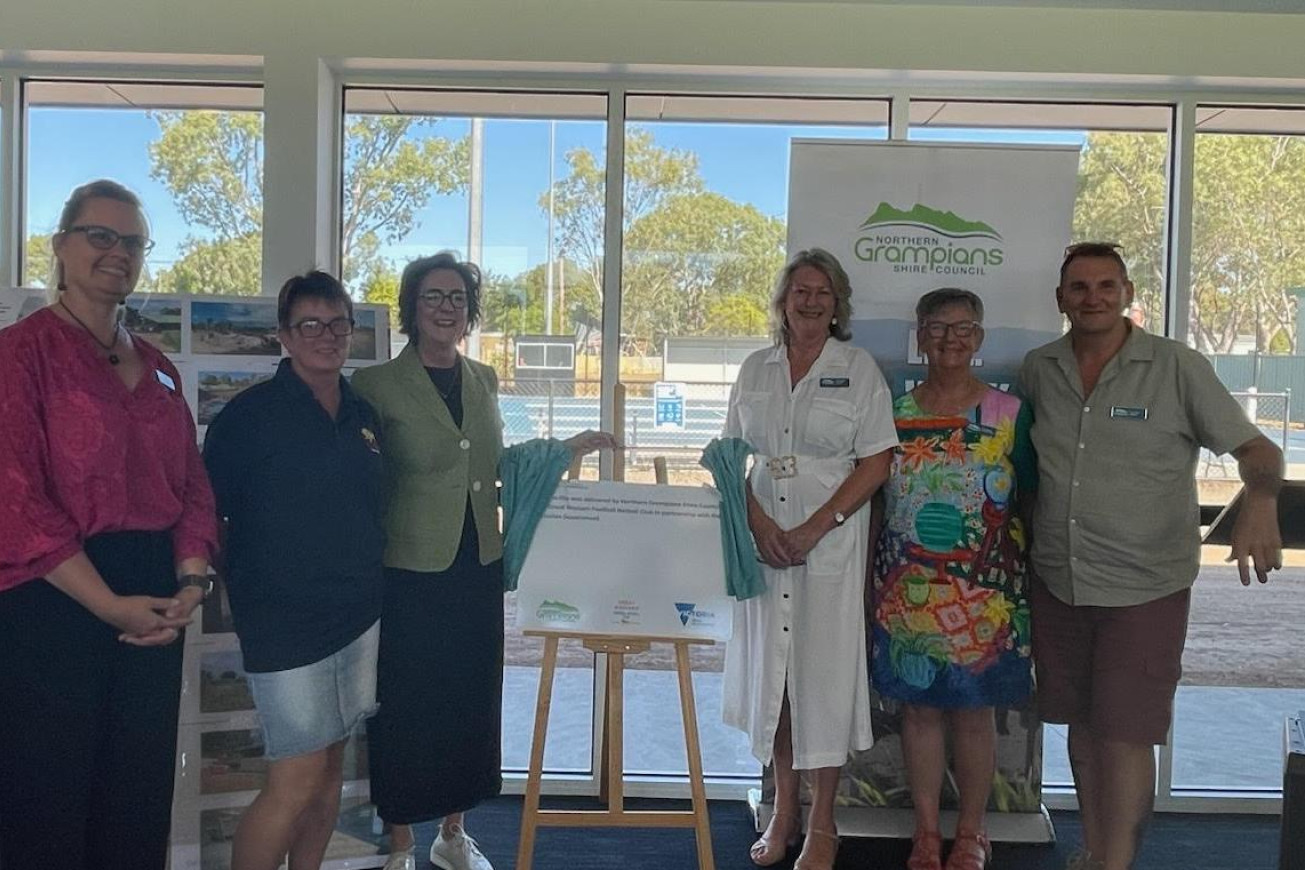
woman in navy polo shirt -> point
(296, 468)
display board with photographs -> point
(204, 837)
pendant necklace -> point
(114, 359)
(454, 384)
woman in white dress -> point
(818, 413)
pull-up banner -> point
(904, 219)
(907, 218)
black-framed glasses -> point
(104, 238)
(314, 328)
(434, 298)
(960, 329)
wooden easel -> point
(611, 772)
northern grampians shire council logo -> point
(928, 241)
(557, 611)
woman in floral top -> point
(951, 620)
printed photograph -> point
(235, 328)
(216, 612)
(353, 837)
(363, 345)
(223, 687)
(157, 319)
(216, 388)
(18, 302)
(231, 761)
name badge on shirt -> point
(835, 382)
(165, 380)
(369, 438)
(1129, 413)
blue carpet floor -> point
(1174, 842)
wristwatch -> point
(839, 519)
(204, 582)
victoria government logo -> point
(928, 241)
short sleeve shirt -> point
(841, 409)
(304, 497)
(1116, 520)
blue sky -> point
(745, 162)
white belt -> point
(791, 465)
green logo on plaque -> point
(557, 611)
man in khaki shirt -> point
(1120, 417)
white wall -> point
(855, 34)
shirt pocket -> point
(831, 426)
(752, 418)
(831, 559)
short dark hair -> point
(416, 271)
(100, 188)
(1108, 250)
(311, 285)
(936, 300)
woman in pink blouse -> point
(106, 530)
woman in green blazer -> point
(435, 742)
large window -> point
(1123, 172)
(1242, 672)
(514, 182)
(194, 154)
(1122, 197)
(706, 196)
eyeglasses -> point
(960, 329)
(314, 328)
(104, 238)
(434, 298)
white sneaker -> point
(401, 861)
(457, 851)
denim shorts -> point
(306, 709)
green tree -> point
(693, 251)
(1248, 239)
(686, 249)
(382, 287)
(1121, 198)
(38, 260)
(390, 174)
(652, 175)
(212, 164)
(224, 267)
(737, 314)
(1248, 232)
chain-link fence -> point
(560, 409)
(1271, 412)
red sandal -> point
(970, 851)
(926, 851)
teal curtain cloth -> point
(530, 473)
(727, 460)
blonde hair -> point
(827, 263)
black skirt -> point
(434, 744)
